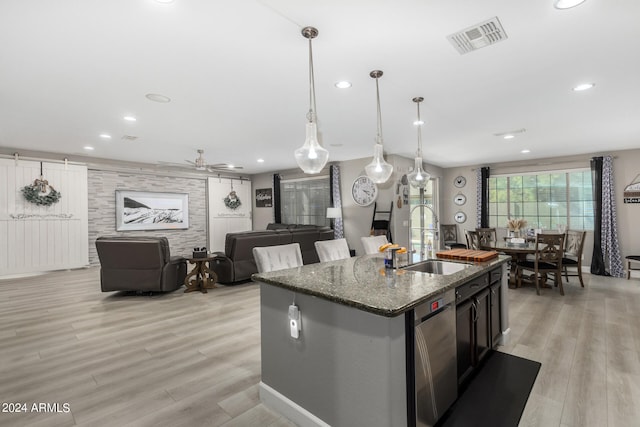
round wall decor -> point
(460, 217)
(460, 199)
(364, 191)
(460, 181)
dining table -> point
(518, 252)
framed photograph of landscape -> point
(143, 210)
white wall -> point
(42, 238)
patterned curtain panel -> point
(482, 195)
(606, 259)
(336, 201)
(478, 198)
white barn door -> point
(230, 216)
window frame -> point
(320, 217)
(501, 210)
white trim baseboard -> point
(288, 408)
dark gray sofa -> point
(236, 264)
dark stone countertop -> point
(363, 283)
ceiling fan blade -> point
(225, 166)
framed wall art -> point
(264, 198)
(143, 210)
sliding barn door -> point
(229, 209)
(35, 238)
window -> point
(305, 201)
(544, 200)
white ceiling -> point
(237, 74)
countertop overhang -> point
(362, 282)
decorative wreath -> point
(33, 194)
(232, 201)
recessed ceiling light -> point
(260, 160)
(130, 118)
(525, 151)
(171, 1)
(105, 136)
(88, 148)
(418, 122)
(156, 97)
(566, 4)
(583, 86)
(510, 133)
(343, 84)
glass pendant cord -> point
(419, 130)
(379, 136)
(311, 115)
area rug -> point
(496, 396)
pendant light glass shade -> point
(378, 170)
(418, 178)
(311, 157)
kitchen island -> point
(353, 360)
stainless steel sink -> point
(437, 267)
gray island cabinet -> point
(353, 362)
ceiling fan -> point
(201, 164)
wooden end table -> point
(203, 277)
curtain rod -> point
(541, 163)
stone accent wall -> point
(102, 208)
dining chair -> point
(574, 244)
(472, 239)
(548, 259)
(278, 257)
(372, 243)
(487, 237)
(332, 250)
(450, 236)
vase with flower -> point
(515, 225)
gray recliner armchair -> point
(139, 264)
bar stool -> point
(630, 259)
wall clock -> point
(460, 217)
(460, 199)
(460, 181)
(364, 191)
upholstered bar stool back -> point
(332, 250)
(372, 243)
(272, 258)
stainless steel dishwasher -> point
(435, 368)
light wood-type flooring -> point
(194, 359)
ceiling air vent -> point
(129, 138)
(480, 35)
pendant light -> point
(419, 177)
(311, 157)
(378, 170)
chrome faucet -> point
(434, 230)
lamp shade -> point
(378, 170)
(334, 213)
(311, 157)
(418, 178)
